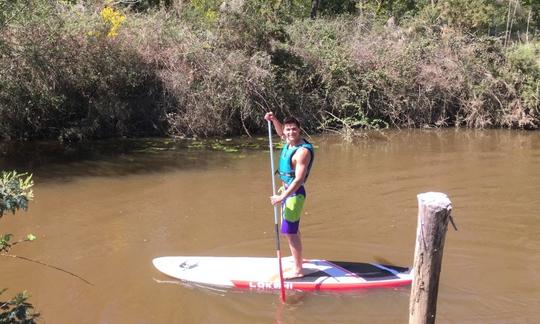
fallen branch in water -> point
(47, 265)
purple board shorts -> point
(291, 210)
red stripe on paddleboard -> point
(319, 286)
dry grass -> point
(162, 75)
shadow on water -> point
(53, 161)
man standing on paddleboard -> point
(295, 162)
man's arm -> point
(277, 124)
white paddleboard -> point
(262, 273)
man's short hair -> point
(291, 120)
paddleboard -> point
(262, 273)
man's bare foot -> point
(293, 275)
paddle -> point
(278, 248)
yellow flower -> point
(113, 19)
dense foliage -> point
(76, 70)
(15, 193)
(17, 310)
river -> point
(103, 211)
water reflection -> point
(52, 161)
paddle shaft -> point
(278, 247)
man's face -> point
(291, 132)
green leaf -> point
(30, 237)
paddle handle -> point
(276, 226)
(272, 168)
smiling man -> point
(295, 162)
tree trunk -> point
(314, 7)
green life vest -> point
(285, 169)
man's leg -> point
(295, 244)
(290, 222)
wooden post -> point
(433, 216)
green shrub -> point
(15, 191)
(81, 71)
(17, 310)
(523, 72)
(74, 82)
(525, 58)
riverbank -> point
(75, 72)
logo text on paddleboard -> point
(269, 285)
(186, 265)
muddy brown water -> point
(104, 211)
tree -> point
(15, 193)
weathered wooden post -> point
(433, 216)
